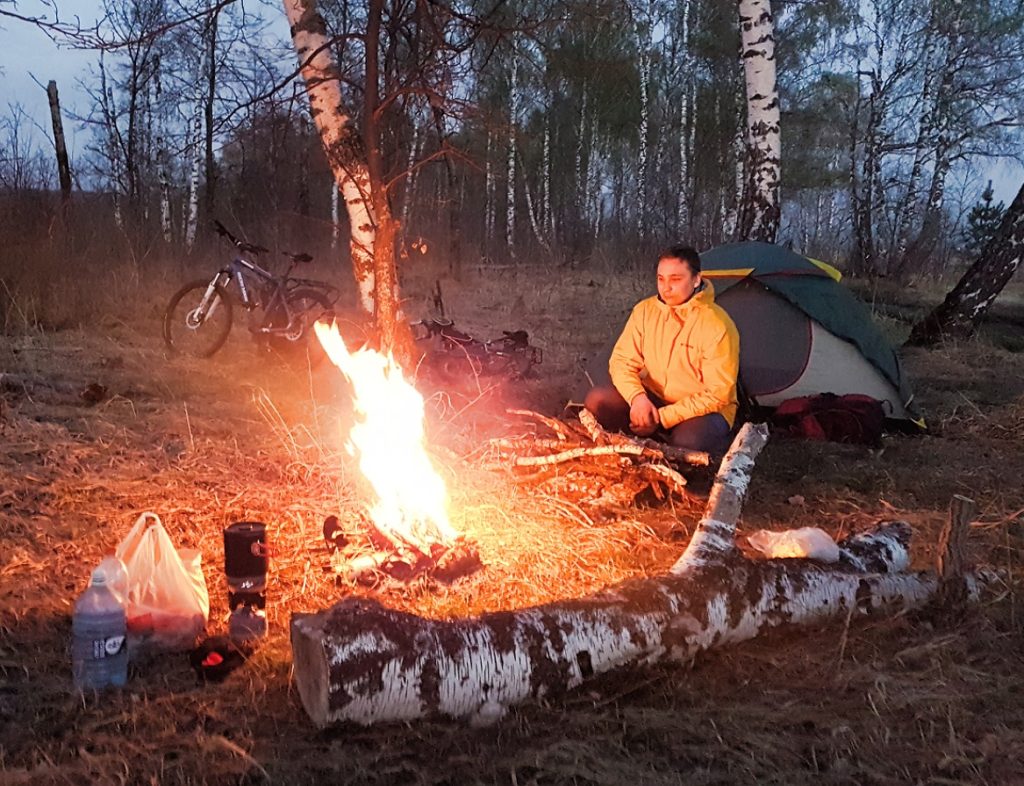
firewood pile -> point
(593, 467)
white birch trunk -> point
(490, 194)
(362, 662)
(595, 202)
(196, 167)
(549, 216)
(957, 316)
(643, 38)
(941, 138)
(510, 171)
(341, 140)
(686, 94)
(758, 35)
(192, 213)
(922, 145)
(335, 216)
(162, 159)
(535, 223)
(113, 143)
(581, 171)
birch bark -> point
(162, 156)
(195, 135)
(345, 149)
(643, 39)
(362, 662)
(686, 95)
(510, 160)
(762, 210)
(958, 315)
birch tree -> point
(761, 209)
(687, 128)
(510, 150)
(643, 26)
(357, 163)
(958, 315)
(343, 145)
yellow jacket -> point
(688, 356)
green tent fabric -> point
(813, 288)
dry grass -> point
(204, 444)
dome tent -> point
(801, 331)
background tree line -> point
(574, 132)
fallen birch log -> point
(362, 662)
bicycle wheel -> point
(194, 325)
(301, 343)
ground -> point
(246, 436)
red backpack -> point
(852, 418)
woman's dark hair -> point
(687, 254)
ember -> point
(376, 558)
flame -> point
(388, 440)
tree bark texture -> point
(687, 93)
(209, 98)
(958, 315)
(343, 145)
(869, 200)
(923, 146)
(643, 43)
(939, 139)
(362, 662)
(195, 135)
(510, 152)
(762, 209)
(59, 143)
(395, 335)
(162, 156)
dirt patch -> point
(245, 437)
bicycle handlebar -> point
(241, 245)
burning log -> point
(362, 662)
(368, 556)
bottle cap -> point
(117, 576)
(99, 577)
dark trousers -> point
(709, 433)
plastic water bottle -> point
(117, 577)
(99, 651)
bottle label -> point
(107, 648)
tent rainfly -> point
(801, 331)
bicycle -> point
(455, 356)
(282, 309)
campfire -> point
(407, 523)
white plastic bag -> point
(168, 603)
(806, 542)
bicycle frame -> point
(237, 272)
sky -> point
(26, 52)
